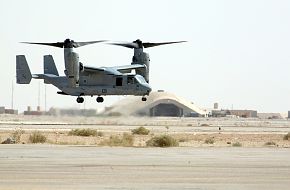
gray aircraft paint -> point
(80, 80)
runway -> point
(90, 167)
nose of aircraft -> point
(147, 88)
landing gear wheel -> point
(144, 99)
(80, 100)
(100, 99)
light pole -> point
(39, 94)
(12, 94)
(45, 97)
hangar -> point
(158, 104)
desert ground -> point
(212, 153)
(189, 132)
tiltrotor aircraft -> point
(80, 80)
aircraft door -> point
(119, 81)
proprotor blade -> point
(139, 44)
(79, 44)
(58, 44)
(67, 43)
(148, 44)
(126, 44)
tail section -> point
(23, 74)
(49, 66)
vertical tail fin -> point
(49, 66)
(23, 74)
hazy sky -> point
(238, 52)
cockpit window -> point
(140, 79)
(130, 80)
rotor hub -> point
(68, 43)
(139, 43)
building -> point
(29, 111)
(8, 111)
(244, 113)
(238, 113)
(220, 113)
(158, 104)
(2, 110)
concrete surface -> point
(82, 167)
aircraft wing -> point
(102, 70)
(93, 69)
(128, 68)
(113, 70)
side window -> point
(119, 81)
(130, 80)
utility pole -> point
(45, 97)
(12, 94)
(38, 93)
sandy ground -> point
(74, 162)
(190, 132)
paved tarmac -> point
(87, 167)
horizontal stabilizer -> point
(23, 74)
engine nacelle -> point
(72, 66)
(142, 58)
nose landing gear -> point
(144, 98)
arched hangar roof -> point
(133, 105)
